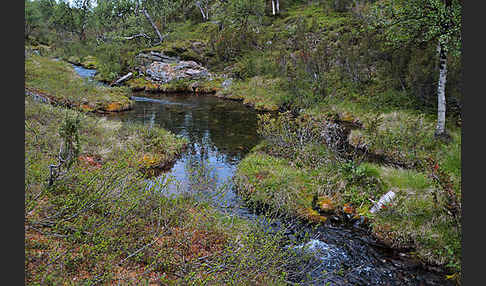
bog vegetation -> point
(368, 96)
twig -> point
(137, 251)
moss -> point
(176, 86)
(89, 62)
(74, 60)
(312, 215)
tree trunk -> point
(204, 15)
(278, 7)
(153, 24)
(441, 101)
(273, 7)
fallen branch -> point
(137, 36)
(122, 79)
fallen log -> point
(122, 79)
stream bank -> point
(221, 133)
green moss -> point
(267, 180)
(89, 62)
(176, 86)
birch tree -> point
(162, 9)
(424, 21)
(275, 7)
(203, 6)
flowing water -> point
(220, 134)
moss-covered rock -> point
(208, 86)
(89, 62)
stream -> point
(220, 133)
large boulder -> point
(168, 71)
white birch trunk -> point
(205, 15)
(278, 7)
(153, 24)
(441, 101)
(273, 7)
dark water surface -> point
(220, 134)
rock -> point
(385, 199)
(226, 83)
(360, 221)
(193, 86)
(166, 72)
(156, 56)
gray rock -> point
(226, 83)
(166, 72)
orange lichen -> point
(348, 209)
(347, 117)
(114, 106)
(150, 161)
(325, 204)
(86, 107)
(312, 215)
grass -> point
(307, 179)
(101, 223)
(208, 86)
(59, 82)
(262, 93)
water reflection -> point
(220, 134)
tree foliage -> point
(419, 21)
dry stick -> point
(137, 36)
(137, 251)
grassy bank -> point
(207, 86)
(57, 81)
(366, 113)
(294, 172)
(101, 223)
